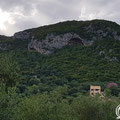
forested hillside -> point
(46, 72)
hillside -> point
(46, 72)
(78, 54)
(47, 38)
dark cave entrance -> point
(75, 41)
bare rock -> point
(51, 42)
(22, 35)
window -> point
(97, 89)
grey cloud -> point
(58, 11)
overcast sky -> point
(16, 15)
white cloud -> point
(5, 17)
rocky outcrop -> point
(100, 33)
(82, 34)
(112, 59)
(107, 57)
(51, 42)
(22, 35)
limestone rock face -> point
(100, 33)
(22, 35)
(51, 42)
(83, 34)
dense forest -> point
(35, 86)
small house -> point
(94, 90)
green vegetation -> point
(56, 105)
(75, 27)
(5, 39)
(56, 86)
(36, 79)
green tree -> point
(114, 91)
(8, 69)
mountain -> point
(72, 53)
(47, 38)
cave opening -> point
(75, 41)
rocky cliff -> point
(51, 42)
(48, 38)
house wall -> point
(95, 90)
